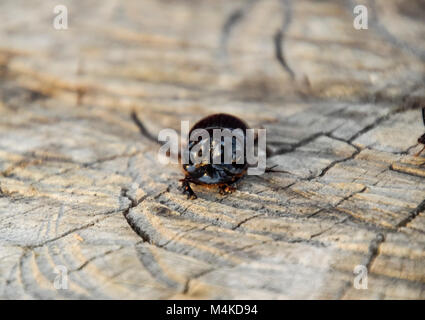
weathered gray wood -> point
(80, 187)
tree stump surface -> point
(81, 188)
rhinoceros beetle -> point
(221, 175)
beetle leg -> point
(225, 188)
(188, 190)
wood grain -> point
(81, 188)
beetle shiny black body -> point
(421, 139)
(221, 175)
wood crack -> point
(373, 253)
(104, 254)
(88, 225)
(334, 163)
(420, 208)
(133, 203)
(279, 38)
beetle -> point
(207, 173)
(421, 139)
(221, 175)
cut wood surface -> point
(81, 188)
